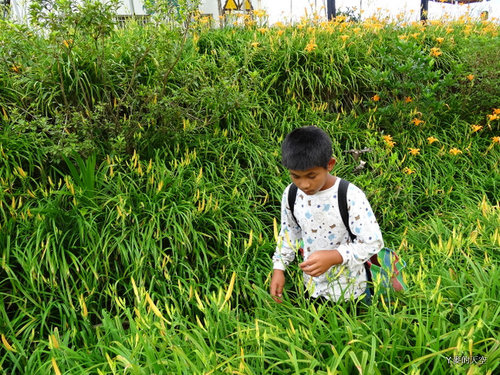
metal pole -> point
(424, 9)
(330, 9)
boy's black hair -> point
(306, 148)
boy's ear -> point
(331, 164)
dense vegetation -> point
(140, 181)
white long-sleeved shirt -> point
(320, 227)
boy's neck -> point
(330, 181)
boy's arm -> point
(290, 234)
(288, 238)
(277, 284)
(320, 261)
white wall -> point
(210, 7)
(437, 10)
(131, 7)
(19, 10)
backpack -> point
(385, 266)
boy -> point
(333, 265)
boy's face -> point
(312, 180)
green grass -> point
(138, 200)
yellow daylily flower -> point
(431, 140)
(311, 46)
(414, 151)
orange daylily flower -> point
(408, 99)
(408, 170)
(417, 121)
(435, 52)
(388, 140)
(375, 98)
(476, 128)
(455, 151)
(470, 77)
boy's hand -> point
(320, 261)
(277, 284)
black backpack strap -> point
(344, 212)
(292, 195)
